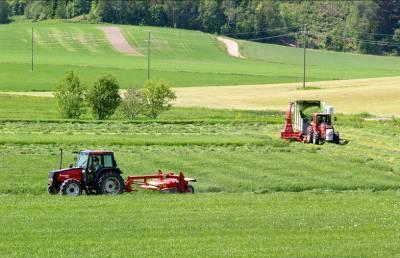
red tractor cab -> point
(320, 129)
(94, 172)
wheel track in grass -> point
(118, 41)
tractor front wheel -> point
(190, 189)
(110, 183)
(336, 138)
(52, 190)
(315, 138)
(71, 187)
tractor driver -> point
(96, 164)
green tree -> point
(211, 15)
(158, 15)
(78, 7)
(158, 96)
(61, 10)
(69, 95)
(103, 98)
(363, 26)
(396, 35)
(16, 7)
(3, 11)
(108, 11)
(36, 10)
(133, 103)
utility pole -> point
(173, 17)
(304, 58)
(32, 51)
(148, 57)
(61, 157)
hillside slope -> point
(185, 58)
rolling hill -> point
(185, 58)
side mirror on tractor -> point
(71, 165)
(335, 118)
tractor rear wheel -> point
(315, 139)
(110, 182)
(71, 187)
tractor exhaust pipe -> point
(61, 157)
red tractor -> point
(320, 129)
(96, 172)
(314, 129)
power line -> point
(271, 37)
(382, 43)
(253, 32)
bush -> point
(158, 96)
(133, 103)
(103, 98)
(70, 96)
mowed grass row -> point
(218, 169)
(185, 58)
(228, 151)
(206, 225)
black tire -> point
(336, 138)
(110, 182)
(315, 138)
(52, 189)
(190, 189)
(309, 136)
(71, 187)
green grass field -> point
(185, 58)
(256, 195)
(204, 225)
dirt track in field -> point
(379, 96)
(118, 41)
(231, 46)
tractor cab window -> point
(82, 160)
(327, 120)
(324, 119)
(108, 161)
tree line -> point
(360, 26)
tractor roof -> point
(97, 152)
(322, 114)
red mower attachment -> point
(167, 183)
